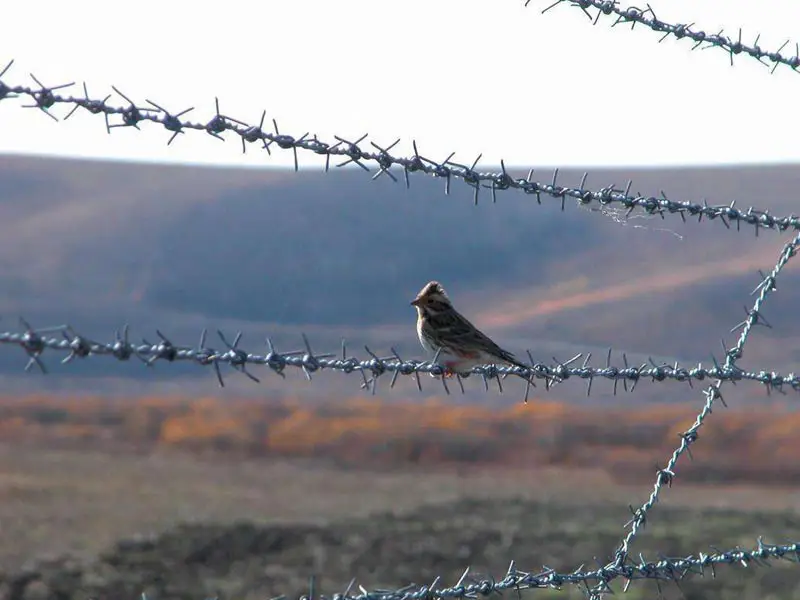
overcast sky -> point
(470, 76)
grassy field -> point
(195, 498)
(253, 528)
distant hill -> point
(276, 252)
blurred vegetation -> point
(246, 561)
(742, 446)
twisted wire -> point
(666, 475)
(647, 17)
(45, 97)
(665, 569)
(34, 342)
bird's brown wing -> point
(453, 331)
(456, 332)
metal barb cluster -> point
(665, 476)
(665, 569)
(34, 342)
(597, 582)
(647, 17)
(45, 97)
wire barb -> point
(35, 343)
(647, 18)
(712, 394)
(132, 115)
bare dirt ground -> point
(55, 501)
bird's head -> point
(432, 299)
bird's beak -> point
(415, 302)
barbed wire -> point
(665, 569)
(647, 17)
(666, 475)
(45, 97)
(597, 582)
(34, 343)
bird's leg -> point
(447, 371)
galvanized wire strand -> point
(355, 152)
(666, 475)
(647, 17)
(76, 345)
(34, 342)
(663, 570)
(597, 582)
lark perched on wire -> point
(461, 345)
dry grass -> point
(55, 501)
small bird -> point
(463, 346)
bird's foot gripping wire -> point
(447, 373)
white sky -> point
(470, 76)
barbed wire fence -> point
(596, 582)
